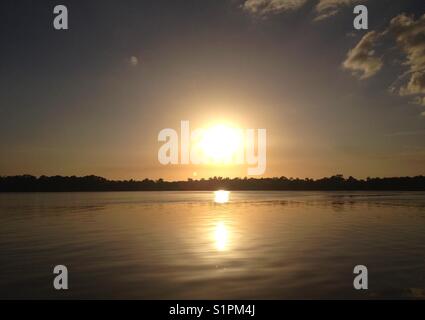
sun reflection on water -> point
(221, 236)
(221, 196)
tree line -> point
(28, 183)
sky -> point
(92, 99)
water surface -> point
(184, 245)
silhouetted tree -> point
(28, 183)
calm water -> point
(183, 245)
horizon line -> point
(194, 179)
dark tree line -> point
(28, 183)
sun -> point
(221, 143)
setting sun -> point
(221, 143)
(223, 151)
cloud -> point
(324, 8)
(265, 7)
(407, 133)
(362, 60)
(329, 8)
(409, 35)
(419, 100)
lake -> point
(201, 245)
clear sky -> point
(92, 99)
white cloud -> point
(324, 8)
(362, 60)
(329, 8)
(409, 35)
(265, 7)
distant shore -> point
(28, 183)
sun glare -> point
(221, 144)
(221, 196)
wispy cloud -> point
(362, 60)
(329, 8)
(409, 35)
(324, 8)
(265, 7)
(407, 133)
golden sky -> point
(93, 99)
